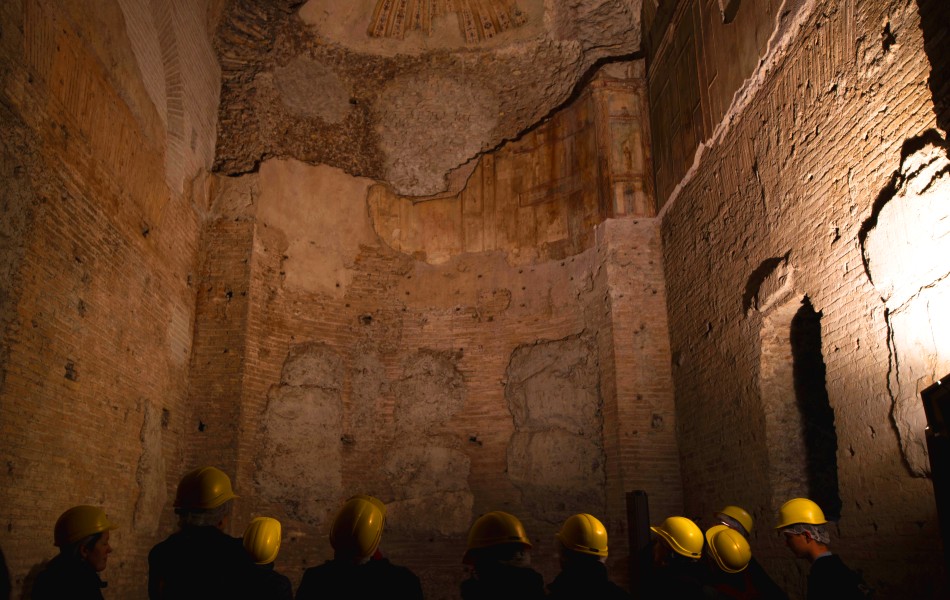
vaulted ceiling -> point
(403, 91)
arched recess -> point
(799, 420)
(818, 418)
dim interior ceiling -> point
(409, 92)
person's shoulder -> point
(319, 572)
(830, 575)
(613, 591)
(527, 580)
(312, 584)
(159, 547)
(401, 576)
(169, 544)
(385, 563)
(44, 578)
(273, 584)
(62, 578)
(830, 563)
(324, 566)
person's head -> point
(736, 517)
(83, 533)
(728, 548)
(358, 528)
(203, 498)
(677, 536)
(582, 538)
(803, 524)
(262, 540)
(497, 537)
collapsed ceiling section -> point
(407, 92)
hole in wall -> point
(887, 38)
(818, 419)
(799, 420)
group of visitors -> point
(200, 560)
(719, 564)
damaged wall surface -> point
(445, 389)
(100, 236)
(349, 247)
(309, 84)
(818, 189)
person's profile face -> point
(98, 555)
(797, 543)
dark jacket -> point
(830, 579)
(374, 579)
(680, 578)
(5, 584)
(752, 583)
(268, 584)
(68, 577)
(500, 581)
(585, 580)
(199, 563)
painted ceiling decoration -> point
(478, 20)
(313, 82)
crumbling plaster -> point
(372, 113)
(437, 360)
(904, 246)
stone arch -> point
(799, 420)
(818, 418)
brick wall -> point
(340, 330)
(97, 303)
(696, 64)
(392, 308)
(796, 176)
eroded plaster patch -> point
(905, 244)
(299, 461)
(556, 455)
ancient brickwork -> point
(640, 424)
(697, 63)
(622, 118)
(416, 364)
(217, 360)
(99, 258)
(540, 196)
(781, 207)
(476, 23)
(536, 198)
(180, 74)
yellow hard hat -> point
(738, 514)
(683, 536)
(204, 488)
(494, 528)
(729, 548)
(584, 533)
(800, 510)
(358, 526)
(262, 540)
(79, 522)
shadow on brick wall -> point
(935, 23)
